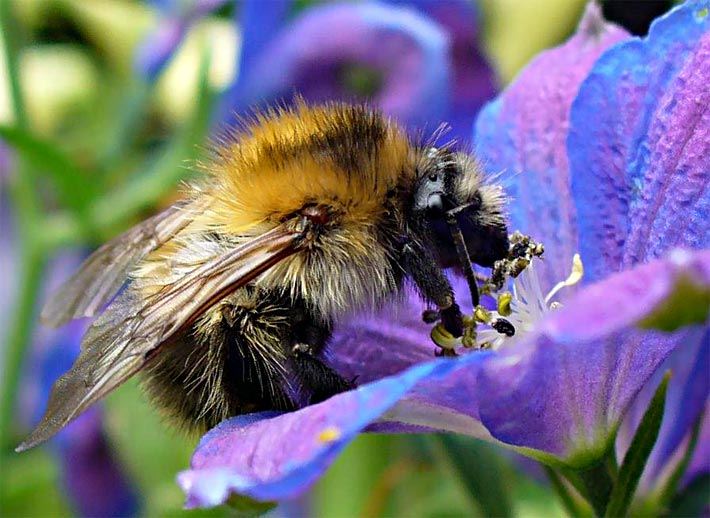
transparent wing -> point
(104, 272)
(132, 329)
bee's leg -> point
(318, 379)
(433, 285)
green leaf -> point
(687, 304)
(638, 453)
(73, 184)
(126, 119)
(161, 176)
(352, 486)
(244, 506)
(479, 470)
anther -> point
(481, 314)
(504, 300)
(503, 326)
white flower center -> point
(528, 305)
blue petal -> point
(522, 134)
(406, 51)
(639, 142)
(248, 455)
(259, 21)
(565, 390)
(158, 48)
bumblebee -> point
(230, 296)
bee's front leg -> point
(435, 288)
(319, 379)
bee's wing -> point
(126, 336)
(104, 272)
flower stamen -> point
(519, 312)
(574, 277)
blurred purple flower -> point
(91, 474)
(473, 80)
(176, 18)
(619, 144)
(93, 479)
(686, 404)
(420, 66)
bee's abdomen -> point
(231, 362)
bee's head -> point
(448, 180)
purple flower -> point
(605, 155)
(473, 81)
(686, 404)
(91, 474)
(422, 67)
(176, 19)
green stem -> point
(28, 216)
(32, 262)
(573, 504)
(597, 484)
(9, 36)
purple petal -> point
(91, 474)
(371, 347)
(473, 79)
(686, 400)
(259, 21)
(91, 471)
(277, 458)
(700, 461)
(408, 52)
(544, 392)
(566, 389)
(639, 142)
(523, 134)
(158, 48)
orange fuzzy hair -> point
(346, 157)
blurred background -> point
(104, 106)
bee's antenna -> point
(462, 252)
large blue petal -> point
(276, 458)
(566, 391)
(522, 134)
(639, 142)
(554, 390)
